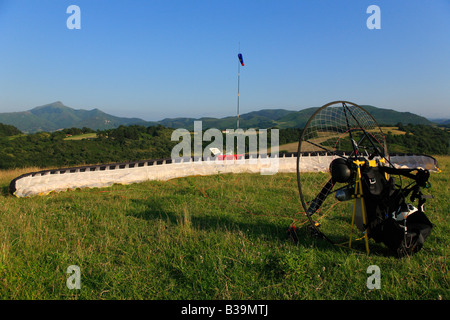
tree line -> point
(420, 139)
(134, 143)
(53, 149)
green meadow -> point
(204, 238)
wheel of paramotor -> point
(344, 132)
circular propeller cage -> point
(338, 130)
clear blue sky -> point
(166, 58)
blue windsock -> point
(241, 60)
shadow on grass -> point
(4, 191)
(257, 227)
(156, 210)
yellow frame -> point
(359, 196)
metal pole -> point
(239, 80)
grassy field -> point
(92, 135)
(293, 146)
(215, 237)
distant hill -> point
(441, 121)
(289, 119)
(56, 116)
(7, 130)
(390, 117)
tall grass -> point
(215, 237)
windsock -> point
(241, 60)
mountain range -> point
(56, 116)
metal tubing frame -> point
(359, 196)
